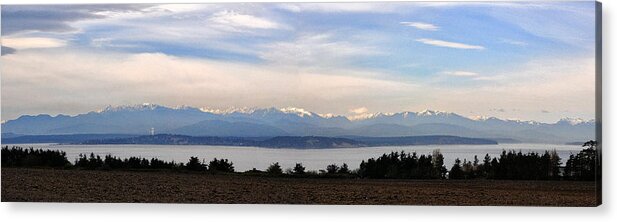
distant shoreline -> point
(293, 142)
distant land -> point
(63, 139)
(302, 142)
(299, 142)
(295, 122)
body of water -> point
(246, 158)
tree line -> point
(510, 165)
(95, 162)
(582, 166)
(20, 157)
(299, 170)
(404, 166)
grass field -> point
(47, 185)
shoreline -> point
(291, 148)
(297, 142)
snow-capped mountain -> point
(139, 119)
(139, 107)
(575, 121)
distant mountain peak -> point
(138, 107)
(229, 110)
(364, 116)
(330, 116)
(574, 121)
(143, 107)
(298, 111)
(404, 115)
(528, 122)
(184, 107)
(480, 118)
(264, 111)
(428, 112)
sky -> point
(511, 60)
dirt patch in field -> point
(47, 185)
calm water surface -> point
(246, 158)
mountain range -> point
(272, 122)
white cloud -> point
(421, 25)
(359, 110)
(461, 73)
(316, 50)
(347, 7)
(32, 43)
(574, 25)
(236, 20)
(557, 83)
(200, 28)
(447, 44)
(514, 42)
(92, 81)
(180, 8)
(489, 78)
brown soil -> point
(47, 185)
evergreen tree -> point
(299, 169)
(582, 166)
(493, 169)
(486, 166)
(332, 168)
(20, 157)
(195, 164)
(344, 169)
(467, 169)
(456, 172)
(439, 170)
(275, 169)
(221, 165)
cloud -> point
(473, 75)
(447, 44)
(181, 8)
(555, 83)
(7, 50)
(316, 50)
(489, 78)
(347, 7)
(514, 42)
(258, 34)
(574, 25)
(359, 110)
(32, 43)
(221, 31)
(94, 80)
(237, 21)
(421, 25)
(55, 18)
(461, 73)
